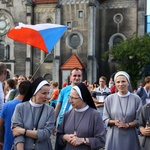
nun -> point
(121, 112)
(82, 127)
(33, 120)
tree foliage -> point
(132, 55)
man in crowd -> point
(63, 102)
(144, 92)
(100, 93)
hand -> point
(75, 141)
(54, 131)
(67, 137)
(18, 131)
(145, 131)
(120, 124)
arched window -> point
(48, 77)
(7, 52)
(48, 20)
(4, 51)
(117, 40)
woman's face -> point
(20, 79)
(122, 84)
(75, 100)
(42, 96)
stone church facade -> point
(93, 27)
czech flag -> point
(42, 36)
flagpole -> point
(40, 65)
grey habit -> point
(144, 117)
(87, 124)
(117, 138)
(25, 115)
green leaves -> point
(131, 55)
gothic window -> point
(117, 40)
(48, 77)
(48, 20)
(69, 24)
(80, 14)
(4, 51)
(74, 40)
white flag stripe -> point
(39, 27)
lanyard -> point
(35, 124)
(76, 126)
(123, 113)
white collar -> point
(124, 95)
(34, 104)
(82, 109)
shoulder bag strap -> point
(39, 116)
(33, 147)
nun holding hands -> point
(121, 113)
(33, 120)
(82, 127)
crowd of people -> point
(81, 115)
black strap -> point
(39, 116)
(141, 92)
(33, 147)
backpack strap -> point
(141, 92)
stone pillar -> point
(141, 17)
(29, 11)
(56, 62)
(91, 65)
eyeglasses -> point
(73, 97)
(76, 75)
